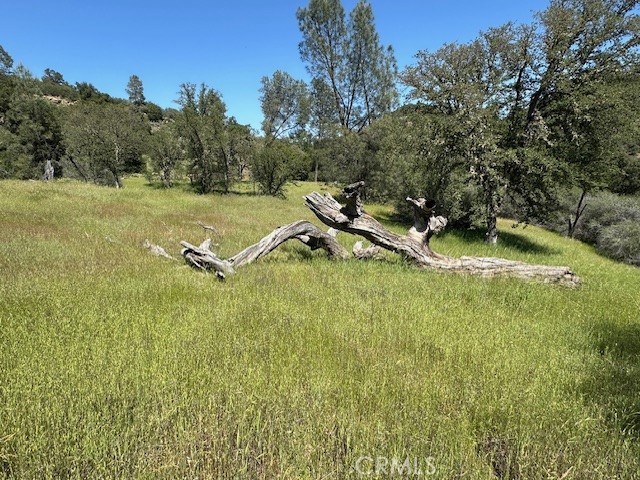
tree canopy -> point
(529, 102)
(345, 58)
(285, 105)
(135, 90)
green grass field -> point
(115, 363)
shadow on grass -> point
(510, 240)
(179, 186)
(615, 382)
(186, 187)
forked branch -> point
(306, 232)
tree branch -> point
(352, 218)
(415, 245)
(306, 232)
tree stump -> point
(48, 171)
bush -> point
(605, 210)
(610, 222)
(275, 165)
(59, 90)
(621, 242)
(153, 112)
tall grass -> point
(118, 364)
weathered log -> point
(203, 258)
(306, 232)
(415, 245)
(156, 250)
(354, 206)
(425, 224)
(352, 218)
(371, 252)
(331, 213)
(302, 230)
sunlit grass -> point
(117, 364)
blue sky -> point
(229, 45)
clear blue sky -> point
(229, 45)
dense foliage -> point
(104, 141)
(610, 222)
(276, 164)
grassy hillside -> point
(118, 364)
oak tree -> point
(215, 144)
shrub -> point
(610, 222)
(621, 241)
(275, 165)
(605, 210)
(153, 112)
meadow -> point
(115, 363)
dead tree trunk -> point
(48, 171)
(306, 232)
(352, 218)
(415, 245)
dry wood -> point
(302, 230)
(48, 171)
(353, 219)
(415, 245)
(156, 250)
(354, 206)
(306, 232)
(371, 252)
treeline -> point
(75, 129)
(529, 121)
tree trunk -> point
(491, 236)
(166, 177)
(78, 169)
(315, 177)
(115, 167)
(415, 245)
(227, 180)
(573, 222)
(491, 208)
(306, 232)
(48, 171)
(352, 218)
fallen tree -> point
(351, 218)
(306, 232)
